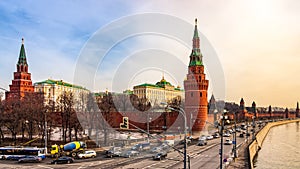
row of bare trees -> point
(20, 117)
(26, 117)
(72, 114)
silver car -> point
(131, 153)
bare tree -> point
(65, 104)
(106, 106)
(122, 102)
(32, 113)
(1, 120)
(11, 118)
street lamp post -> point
(223, 118)
(46, 138)
(191, 126)
(148, 121)
(253, 128)
(221, 149)
(247, 135)
(235, 155)
(182, 112)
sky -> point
(256, 43)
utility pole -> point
(235, 155)
(191, 125)
(46, 138)
(148, 126)
(253, 128)
(221, 149)
(223, 119)
(182, 112)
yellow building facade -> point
(52, 89)
(162, 91)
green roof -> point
(163, 83)
(61, 83)
(22, 55)
(196, 58)
(160, 84)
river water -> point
(281, 148)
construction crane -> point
(28, 142)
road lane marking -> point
(45, 167)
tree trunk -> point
(15, 138)
(2, 136)
(23, 131)
(76, 132)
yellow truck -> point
(70, 149)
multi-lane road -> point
(204, 157)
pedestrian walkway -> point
(242, 161)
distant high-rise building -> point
(196, 86)
(21, 84)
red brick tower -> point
(195, 87)
(270, 112)
(287, 113)
(22, 83)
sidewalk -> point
(242, 162)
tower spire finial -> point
(22, 40)
(196, 56)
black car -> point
(63, 160)
(15, 157)
(30, 159)
(188, 141)
(160, 156)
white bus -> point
(14, 153)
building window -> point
(192, 94)
(200, 94)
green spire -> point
(22, 56)
(196, 30)
(196, 55)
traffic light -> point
(125, 124)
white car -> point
(227, 134)
(88, 154)
(203, 137)
(228, 142)
(209, 137)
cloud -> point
(253, 38)
(54, 34)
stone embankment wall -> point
(255, 146)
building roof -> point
(22, 55)
(196, 55)
(61, 83)
(161, 84)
